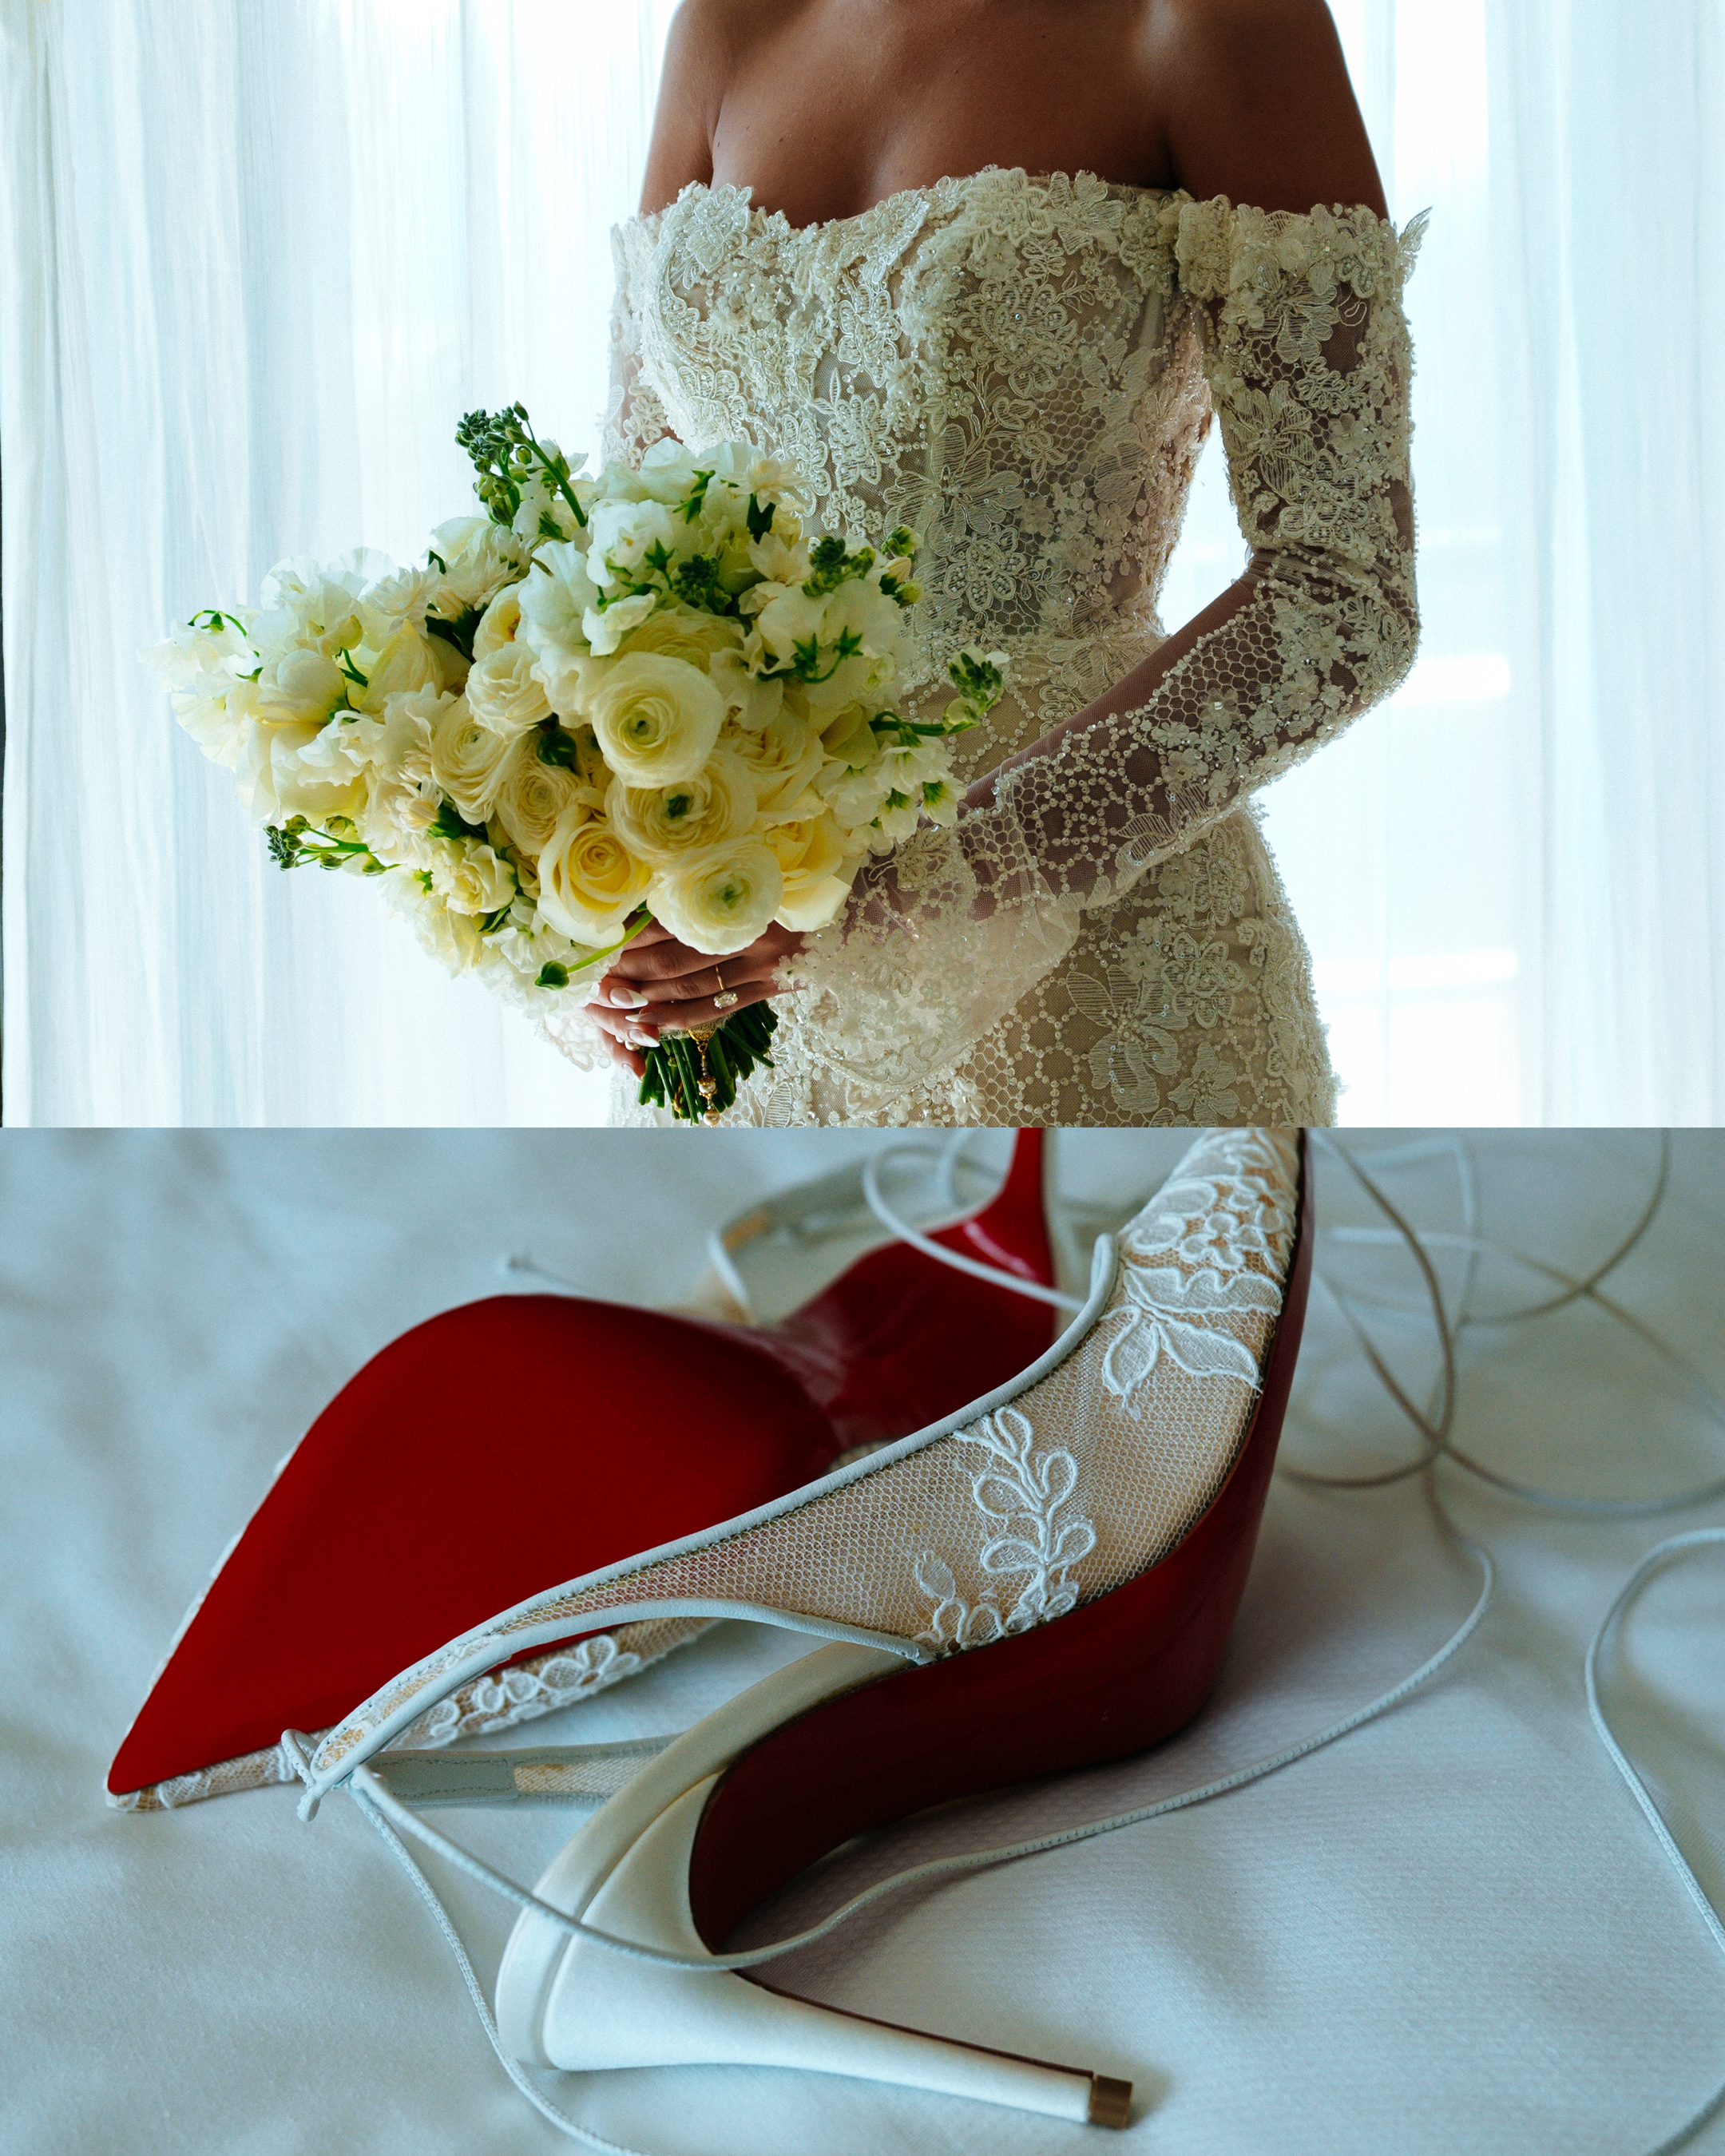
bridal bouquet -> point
(643, 697)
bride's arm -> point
(1306, 353)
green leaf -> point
(760, 518)
(449, 822)
(551, 975)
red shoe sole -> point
(508, 1445)
(1110, 1679)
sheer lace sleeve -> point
(1307, 353)
(635, 416)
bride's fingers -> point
(732, 978)
(630, 1025)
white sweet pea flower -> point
(298, 771)
(201, 669)
(605, 629)
(786, 616)
(621, 534)
(749, 702)
(499, 623)
(722, 901)
(553, 603)
(310, 603)
(656, 718)
(667, 472)
(300, 688)
(409, 660)
(667, 825)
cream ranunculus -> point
(682, 632)
(722, 901)
(811, 857)
(554, 601)
(784, 758)
(589, 882)
(504, 693)
(657, 719)
(471, 761)
(533, 799)
(667, 825)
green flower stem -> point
(676, 1066)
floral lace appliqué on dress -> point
(1023, 369)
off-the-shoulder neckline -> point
(715, 189)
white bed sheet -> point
(1451, 1933)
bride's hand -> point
(655, 981)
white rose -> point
(784, 758)
(533, 799)
(504, 692)
(471, 878)
(668, 824)
(657, 718)
(499, 623)
(469, 761)
(589, 882)
(721, 901)
(811, 856)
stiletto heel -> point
(1116, 1483)
(896, 1341)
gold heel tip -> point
(1110, 2102)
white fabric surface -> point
(1451, 1933)
(255, 259)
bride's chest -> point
(963, 283)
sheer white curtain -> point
(258, 255)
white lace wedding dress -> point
(1023, 369)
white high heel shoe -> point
(1043, 1580)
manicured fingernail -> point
(639, 1037)
(626, 998)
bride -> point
(986, 268)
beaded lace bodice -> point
(1023, 369)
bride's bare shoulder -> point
(707, 41)
(1257, 103)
